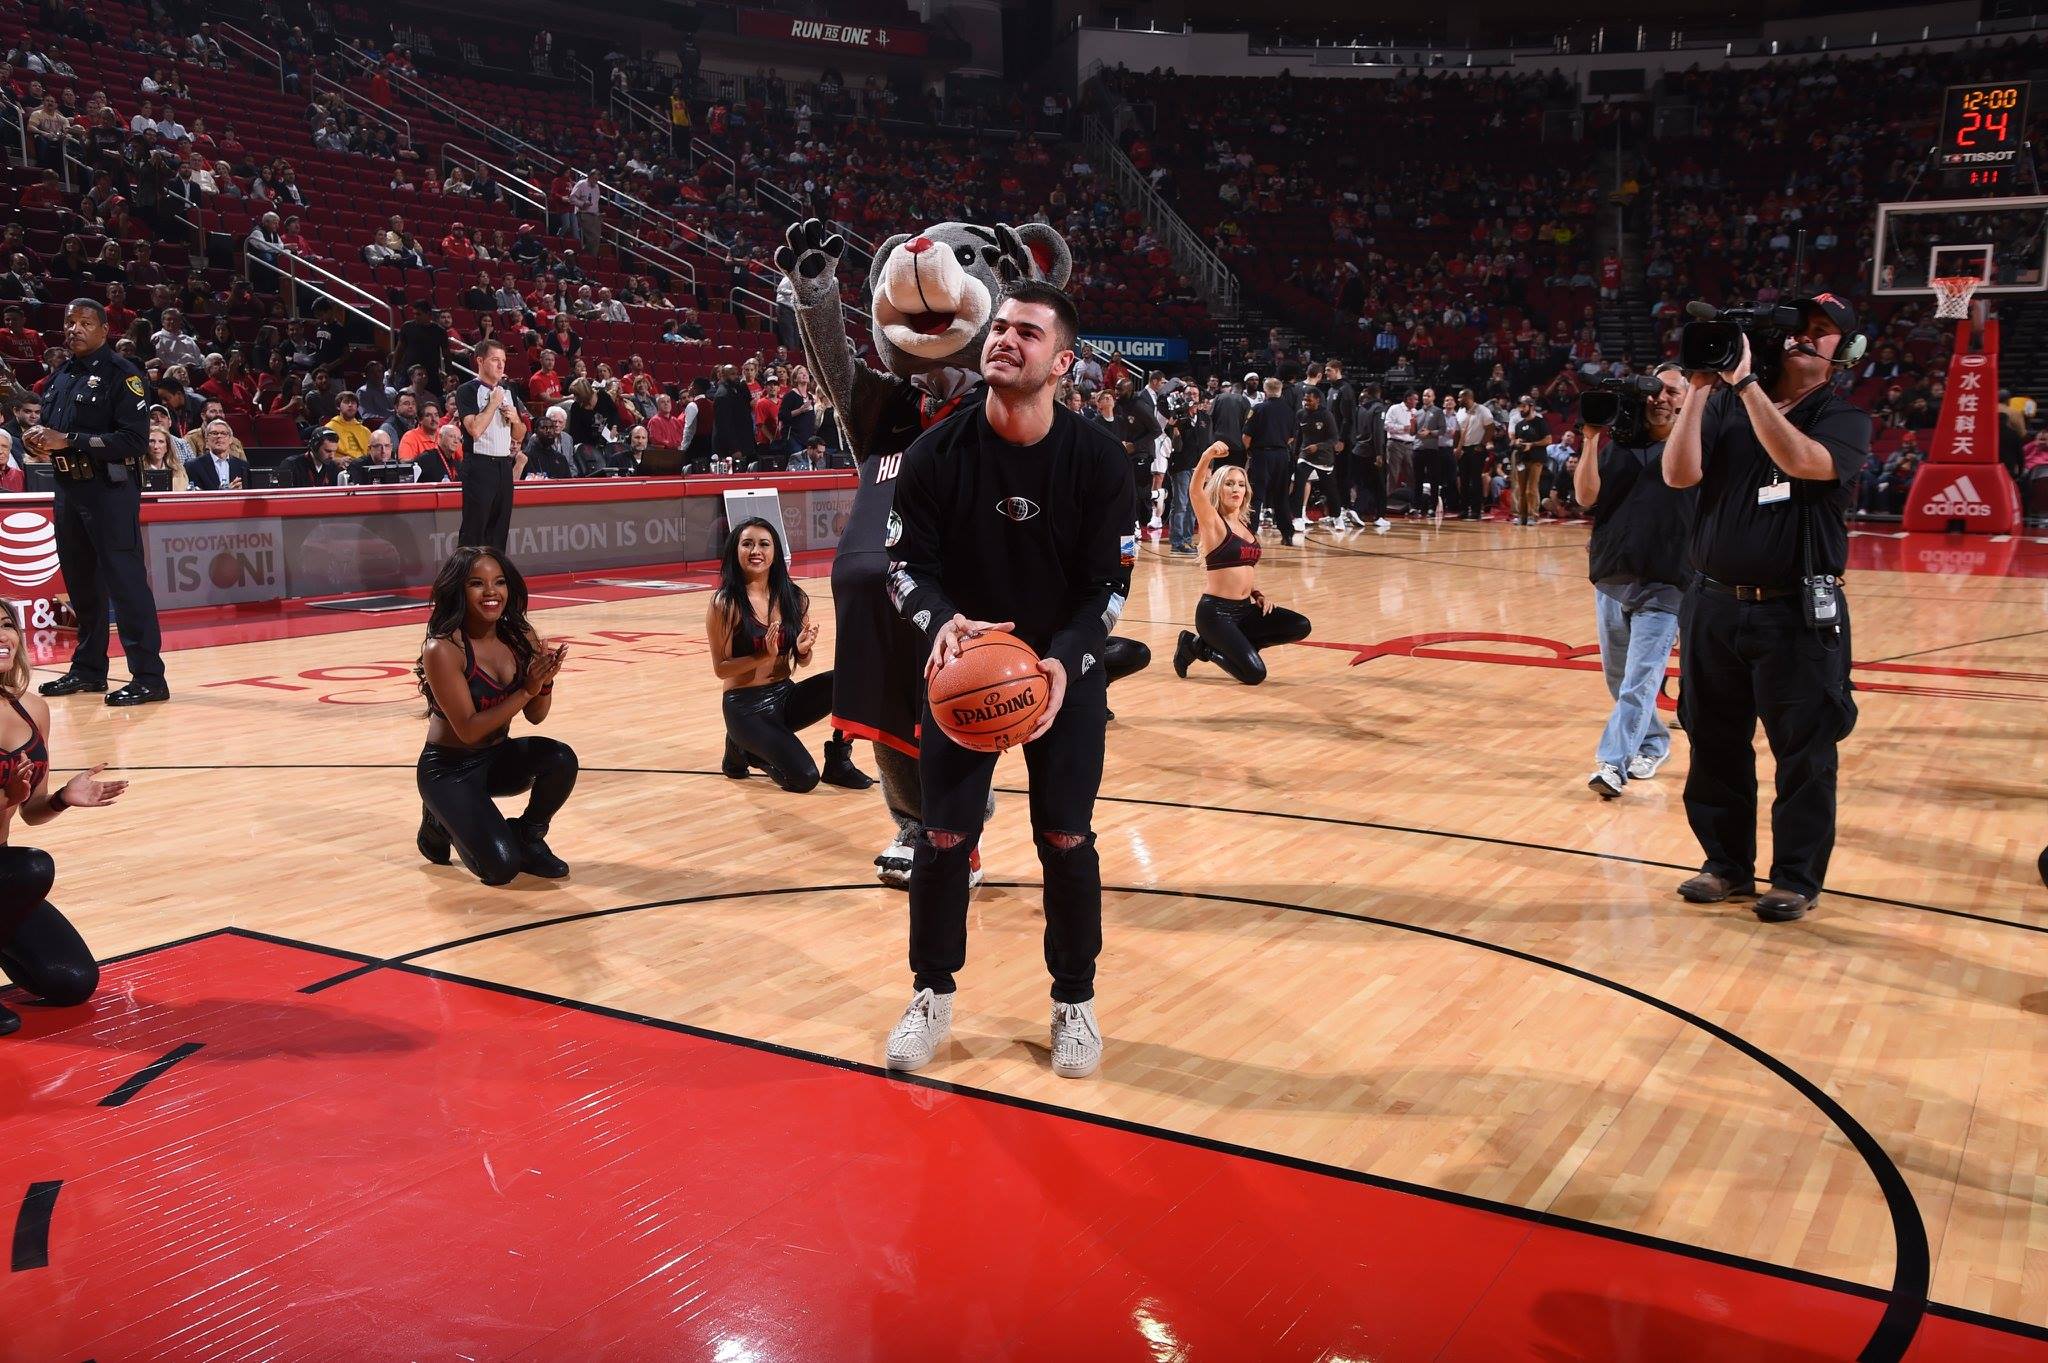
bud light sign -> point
(1142, 349)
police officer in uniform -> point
(1764, 625)
(94, 430)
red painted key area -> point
(406, 1166)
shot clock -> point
(1983, 130)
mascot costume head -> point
(931, 296)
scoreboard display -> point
(1983, 131)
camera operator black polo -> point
(1746, 652)
(1738, 540)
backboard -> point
(2004, 242)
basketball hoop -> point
(1952, 294)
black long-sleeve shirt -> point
(1032, 534)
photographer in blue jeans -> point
(1636, 560)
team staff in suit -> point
(94, 429)
(219, 468)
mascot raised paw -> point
(931, 296)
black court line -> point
(1967, 643)
(143, 1077)
(1905, 1303)
(32, 1225)
(1990, 920)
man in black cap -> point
(1764, 626)
(94, 429)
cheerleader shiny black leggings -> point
(1231, 633)
(456, 785)
(39, 949)
(763, 721)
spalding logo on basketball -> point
(992, 696)
(28, 548)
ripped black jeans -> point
(1065, 771)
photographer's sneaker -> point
(1641, 768)
(1605, 781)
(926, 1024)
(1076, 1040)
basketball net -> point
(1952, 295)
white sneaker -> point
(1300, 525)
(1642, 768)
(1605, 781)
(892, 868)
(1076, 1040)
(1352, 520)
(926, 1024)
(1383, 525)
(974, 869)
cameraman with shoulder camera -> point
(1764, 627)
(1189, 425)
(1636, 560)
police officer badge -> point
(134, 384)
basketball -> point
(992, 695)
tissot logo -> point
(1959, 498)
(1018, 508)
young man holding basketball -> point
(1016, 511)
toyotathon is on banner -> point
(264, 558)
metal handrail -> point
(1190, 252)
(747, 301)
(628, 243)
(701, 150)
(369, 108)
(636, 107)
(253, 49)
(462, 118)
(511, 185)
(526, 192)
(293, 261)
(610, 195)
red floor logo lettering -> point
(392, 681)
(1455, 647)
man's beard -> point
(1026, 381)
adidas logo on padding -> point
(1959, 498)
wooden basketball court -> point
(1411, 1051)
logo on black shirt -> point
(1018, 508)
